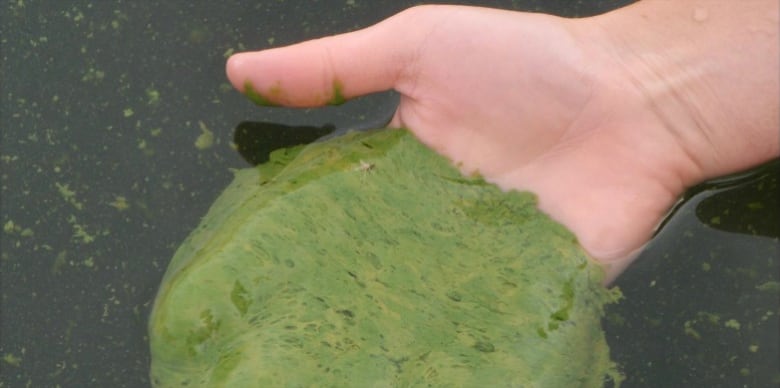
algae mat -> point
(369, 261)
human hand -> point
(530, 101)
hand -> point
(531, 102)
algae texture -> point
(369, 261)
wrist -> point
(706, 72)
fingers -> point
(325, 71)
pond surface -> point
(117, 132)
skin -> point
(608, 119)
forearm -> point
(709, 70)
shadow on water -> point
(255, 140)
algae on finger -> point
(310, 271)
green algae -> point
(337, 95)
(309, 270)
(255, 96)
(262, 99)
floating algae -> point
(368, 260)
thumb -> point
(327, 70)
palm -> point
(491, 109)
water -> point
(701, 305)
(102, 104)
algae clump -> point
(368, 260)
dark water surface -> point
(117, 123)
